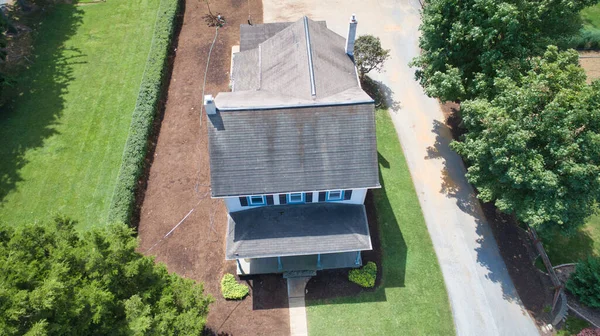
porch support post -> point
(319, 260)
(357, 258)
(279, 264)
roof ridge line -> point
(311, 71)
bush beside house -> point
(144, 113)
(364, 276)
(231, 289)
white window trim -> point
(251, 203)
(329, 199)
(289, 198)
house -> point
(293, 150)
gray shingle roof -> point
(272, 135)
(284, 60)
(253, 35)
(286, 230)
(293, 149)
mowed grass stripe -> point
(66, 131)
(412, 299)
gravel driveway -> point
(483, 298)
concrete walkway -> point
(297, 308)
(482, 295)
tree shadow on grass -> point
(34, 106)
(381, 94)
(391, 262)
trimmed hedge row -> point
(587, 39)
(123, 199)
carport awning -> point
(288, 230)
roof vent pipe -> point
(351, 36)
(209, 105)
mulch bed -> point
(534, 288)
(178, 179)
(329, 284)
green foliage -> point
(53, 281)
(467, 44)
(584, 283)
(535, 148)
(369, 55)
(231, 289)
(143, 116)
(572, 326)
(364, 276)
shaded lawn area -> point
(563, 249)
(63, 134)
(412, 298)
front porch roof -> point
(288, 230)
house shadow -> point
(35, 103)
(330, 285)
(455, 186)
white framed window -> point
(295, 198)
(335, 195)
(256, 200)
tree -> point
(535, 148)
(585, 282)
(52, 281)
(369, 55)
(466, 44)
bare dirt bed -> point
(590, 61)
(534, 288)
(178, 180)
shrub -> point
(584, 283)
(232, 290)
(144, 113)
(364, 276)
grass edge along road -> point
(65, 130)
(412, 298)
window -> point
(335, 195)
(256, 200)
(296, 198)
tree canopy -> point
(467, 43)
(369, 55)
(534, 149)
(55, 282)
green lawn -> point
(412, 299)
(569, 249)
(591, 17)
(63, 134)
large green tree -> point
(467, 43)
(534, 149)
(56, 282)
